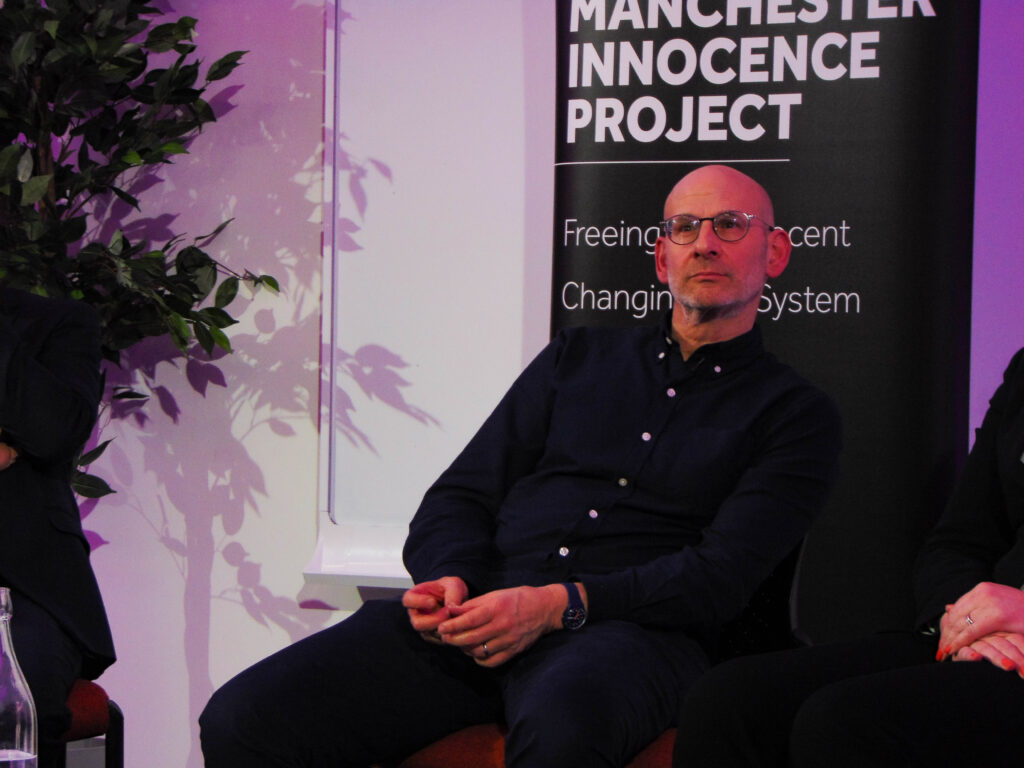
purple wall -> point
(998, 290)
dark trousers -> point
(370, 689)
(881, 701)
(51, 661)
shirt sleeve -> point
(771, 508)
(453, 531)
(50, 384)
(974, 530)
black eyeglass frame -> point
(699, 221)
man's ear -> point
(779, 249)
(659, 260)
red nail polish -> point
(1008, 665)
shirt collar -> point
(728, 354)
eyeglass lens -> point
(729, 226)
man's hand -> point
(1004, 649)
(430, 603)
(986, 609)
(495, 627)
(7, 456)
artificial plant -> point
(93, 97)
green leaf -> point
(165, 37)
(116, 243)
(226, 292)
(130, 394)
(34, 230)
(178, 328)
(268, 281)
(122, 195)
(190, 258)
(206, 278)
(33, 190)
(204, 337)
(10, 157)
(204, 239)
(90, 486)
(224, 66)
(23, 50)
(90, 456)
(217, 317)
(203, 112)
(25, 166)
(221, 339)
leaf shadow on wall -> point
(184, 465)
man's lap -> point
(597, 696)
(371, 689)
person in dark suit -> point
(50, 387)
(949, 693)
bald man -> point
(575, 563)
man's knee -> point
(227, 726)
(564, 738)
(578, 723)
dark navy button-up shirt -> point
(670, 488)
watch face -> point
(574, 618)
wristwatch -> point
(575, 614)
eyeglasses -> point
(730, 226)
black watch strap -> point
(575, 614)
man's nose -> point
(707, 242)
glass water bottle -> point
(17, 710)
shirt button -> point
(671, 392)
(718, 369)
(661, 355)
(623, 482)
(646, 436)
(563, 551)
(593, 514)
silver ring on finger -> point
(486, 652)
(969, 620)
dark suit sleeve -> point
(51, 385)
(975, 529)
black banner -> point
(858, 117)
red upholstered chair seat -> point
(483, 746)
(89, 713)
(93, 713)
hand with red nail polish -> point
(986, 609)
(1003, 649)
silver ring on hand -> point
(969, 620)
(486, 652)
